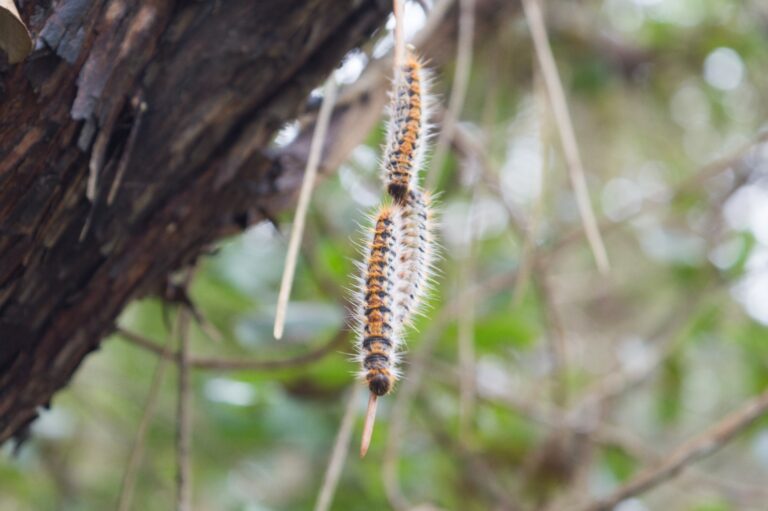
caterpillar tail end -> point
(370, 419)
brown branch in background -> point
(134, 460)
(564, 124)
(700, 447)
(339, 452)
(621, 438)
(206, 327)
(240, 363)
(458, 90)
(307, 185)
(183, 419)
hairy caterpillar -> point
(378, 314)
(415, 255)
(406, 131)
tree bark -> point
(181, 100)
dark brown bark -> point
(181, 98)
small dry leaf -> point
(14, 36)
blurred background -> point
(534, 381)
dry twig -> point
(134, 460)
(466, 328)
(564, 124)
(184, 419)
(339, 453)
(240, 363)
(459, 89)
(307, 185)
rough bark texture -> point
(181, 98)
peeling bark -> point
(181, 99)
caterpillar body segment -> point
(407, 128)
(415, 257)
(378, 313)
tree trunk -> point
(160, 112)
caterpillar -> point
(415, 256)
(380, 330)
(407, 128)
(377, 314)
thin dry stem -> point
(370, 420)
(141, 109)
(556, 340)
(459, 88)
(239, 364)
(339, 453)
(565, 128)
(466, 330)
(307, 185)
(205, 326)
(184, 419)
(134, 460)
(397, 9)
(466, 341)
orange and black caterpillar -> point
(406, 133)
(378, 318)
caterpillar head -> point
(379, 382)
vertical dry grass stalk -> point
(565, 128)
(307, 185)
(134, 460)
(339, 453)
(184, 419)
(459, 88)
(466, 328)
